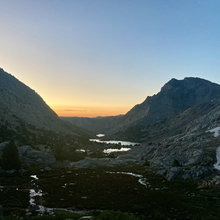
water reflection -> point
(110, 150)
(142, 180)
(33, 194)
(124, 143)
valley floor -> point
(145, 195)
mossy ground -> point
(14, 193)
(97, 190)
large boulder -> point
(29, 155)
(173, 173)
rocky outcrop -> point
(30, 156)
(196, 172)
(104, 162)
(190, 154)
(213, 182)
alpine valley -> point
(62, 169)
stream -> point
(36, 193)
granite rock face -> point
(30, 156)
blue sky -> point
(99, 57)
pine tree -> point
(10, 157)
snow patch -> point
(100, 135)
(216, 131)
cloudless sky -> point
(102, 57)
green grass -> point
(13, 191)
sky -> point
(93, 58)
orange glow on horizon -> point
(88, 111)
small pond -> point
(123, 143)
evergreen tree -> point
(10, 157)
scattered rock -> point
(11, 171)
(199, 172)
(173, 173)
(214, 182)
(162, 172)
(29, 213)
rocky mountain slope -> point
(96, 125)
(22, 106)
(175, 97)
(185, 145)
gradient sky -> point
(102, 57)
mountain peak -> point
(175, 97)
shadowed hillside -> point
(22, 108)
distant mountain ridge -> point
(97, 125)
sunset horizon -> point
(107, 56)
(88, 111)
